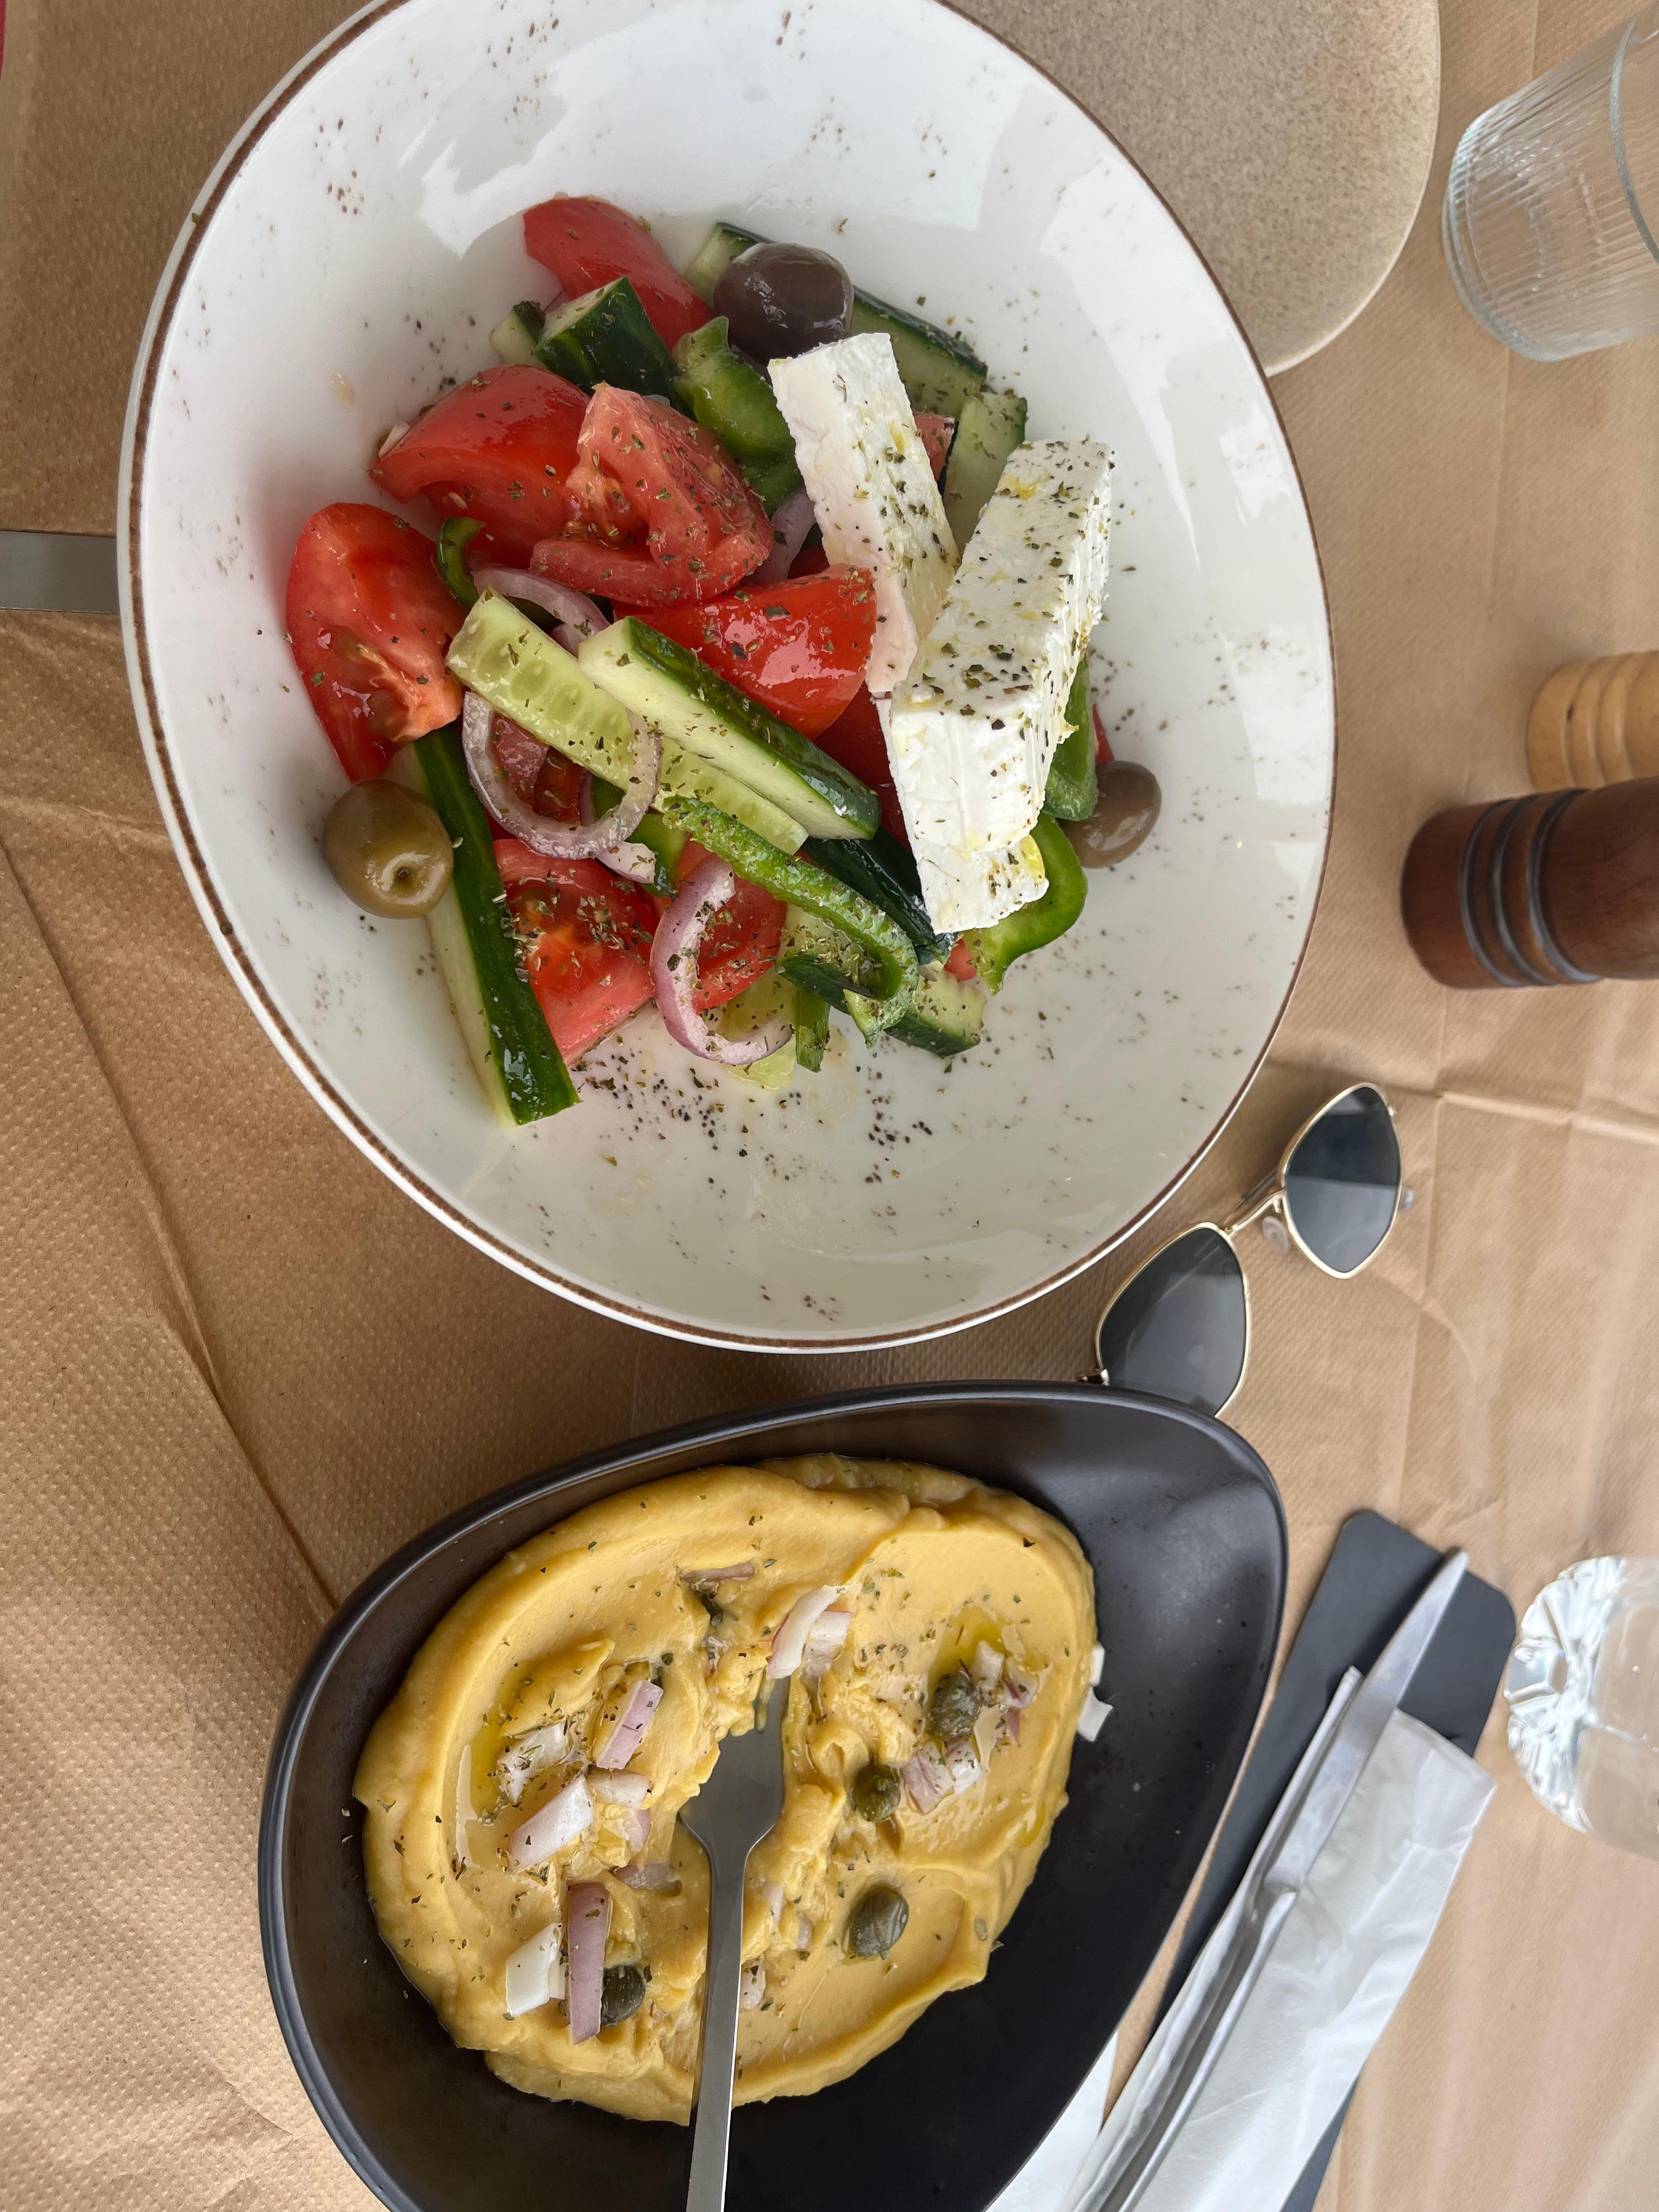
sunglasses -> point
(1180, 1327)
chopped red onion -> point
(398, 431)
(792, 526)
(567, 1814)
(823, 1640)
(1092, 1718)
(674, 972)
(625, 1789)
(1011, 1719)
(557, 841)
(985, 1669)
(587, 1917)
(463, 1812)
(618, 1743)
(803, 1931)
(752, 1989)
(790, 1642)
(706, 1578)
(573, 611)
(773, 1892)
(638, 1825)
(528, 1755)
(925, 1779)
(1096, 1664)
(1022, 1686)
(962, 1763)
(535, 1972)
(655, 1875)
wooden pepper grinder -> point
(1555, 887)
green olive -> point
(879, 1919)
(1124, 817)
(387, 849)
(620, 1993)
(876, 1793)
(954, 1706)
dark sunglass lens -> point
(1343, 1180)
(1176, 1329)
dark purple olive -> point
(1124, 819)
(785, 300)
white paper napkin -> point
(1341, 1966)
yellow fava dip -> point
(513, 1692)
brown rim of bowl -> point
(136, 431)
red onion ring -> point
(576, 615)
(586, 1923)
(792, 526)
(674, 974)
(562, 841)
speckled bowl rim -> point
(193, 861)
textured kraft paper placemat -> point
(237, 1368)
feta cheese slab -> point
(969, 892)
(974, 727)
(871, 486)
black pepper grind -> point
(1555, 887)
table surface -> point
(237, 1367)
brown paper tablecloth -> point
(236, 1368)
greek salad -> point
(742, 668)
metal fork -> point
(738, 1806)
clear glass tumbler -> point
(1553, 203)
(1583, 1687)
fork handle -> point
(721, 1990)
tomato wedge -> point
(936, 432)
(740, 945)
(586, 243)
(500, 447)
(705, 531)
(587, 939)
(857, 741)
(798, 647)
(369, 621)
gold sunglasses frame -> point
(1267, 1197)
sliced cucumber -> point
(504, 656)
(751, 1010)
(668, 687)
(517, 334)
(939, 372)
(716, 254)
(946, 1015)
(883, 870)
(520, 1068)
(989, 427)
(606, 337)
(1073, 788)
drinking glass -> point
(1582, 1687)
(1553, 203)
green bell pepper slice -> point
(450, 556)
(735, 401)
(995, 950)
(1074, 790)
(887, 959)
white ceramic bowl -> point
(354, 246)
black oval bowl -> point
(1184, 1527)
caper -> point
(879, 1919)
(876, 1793)
(954, 1706)
(1124, 817)
(387, 849)
(620, 1993)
